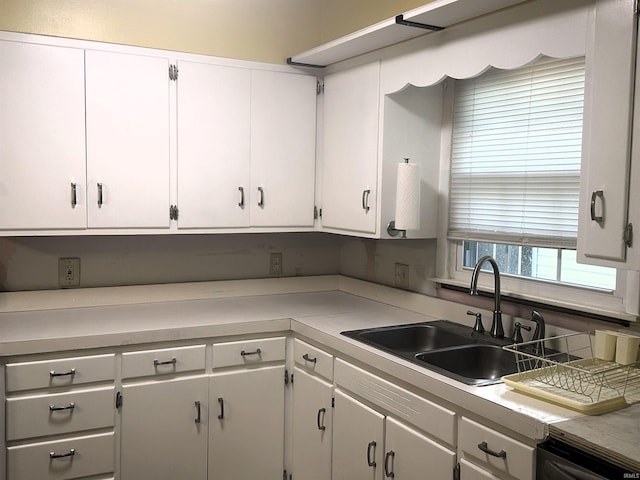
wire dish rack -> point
(565, 370)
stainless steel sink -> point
(449, 348)
(472, 364)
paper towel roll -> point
(408, 197)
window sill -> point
(574, 308)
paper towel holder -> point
(393, 231)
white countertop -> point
(317, 316)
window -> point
(515, 172)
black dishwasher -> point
(558, 461)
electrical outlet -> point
(69, 272)
(275, 264)
(402, 275)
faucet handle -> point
(517, 332)
(478, 327)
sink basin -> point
(449, 348)
(413, 338)
(472, 364)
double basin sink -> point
(446, 347)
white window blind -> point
(516, 147)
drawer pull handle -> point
(307, 358)
(255, 352)
(371, 454)
(388, 461)
(221, 403)
(157, 363)
(100, 199)
(53, 408)
(320, 419)
(71, 373)
(70, 453)
(198, 412)
(485, 448)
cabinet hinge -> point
(118, 400)
(173, 212)
(319, 87)
(628, 235)
(456, 472)
(173, 72)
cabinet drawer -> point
(248, 352)
(59, 372)
(430, 417)
(84, 456)
(313, 359)
(508, 455)
(40, 415)
(163, 361)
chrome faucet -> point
(497, 330)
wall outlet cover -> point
(402, 275)
(69, 272)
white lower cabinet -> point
(494, 452)
(164, 429)
(368, 444)
(358, 440)
(312, 427)
(246, 432)
(76, 457)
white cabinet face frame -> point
(42, 139)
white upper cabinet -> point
(605, 210)
(366, 136)
(214, 154)
(42, 139)
(350, 149)
(283, 143)
(127, 102)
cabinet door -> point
(609, 87)
(42, 138)
(213, 145)
(127, 140)
(358, 436)
(247, 418)
(283, 142)
(160, 435)
(350, 149)
(410, 455)
(312, 427)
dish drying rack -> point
(565, 370)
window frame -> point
(449, 270)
